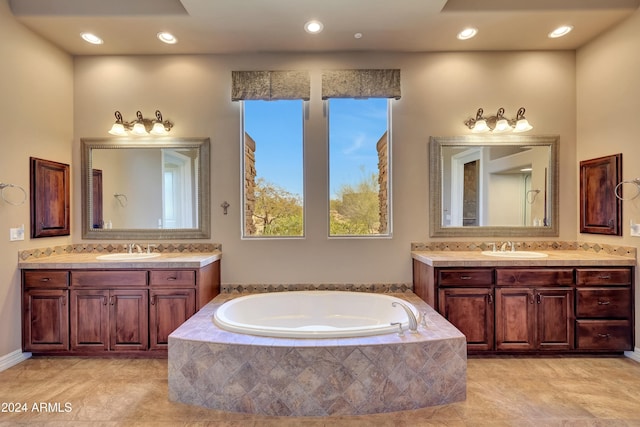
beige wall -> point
(439, 91)
(607, 116)
(36, 116)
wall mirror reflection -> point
(145, 188)
(493, 186)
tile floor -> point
(501, 392)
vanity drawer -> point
(109, 279)
(534, 277)
(172, 278)
(603, 302)
(466, 277)
(603, 277)
(603, 335)
(46, 279)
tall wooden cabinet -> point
(115, 312)
(533, 310)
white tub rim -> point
(222, 321)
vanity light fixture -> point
(498, 123)
(140, 126)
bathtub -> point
(313, 314)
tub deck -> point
(233, 372)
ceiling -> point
(242, 26)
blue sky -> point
(355, 128)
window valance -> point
(361, 84)
(270, 85)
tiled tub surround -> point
(233, 372)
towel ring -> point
(635, 181)
(5, 186)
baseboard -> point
(635, 355)
(12, 359)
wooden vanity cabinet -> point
(111, 312)
(604, 309)
(465, 298)
(534, 309)
(172, 300)
(45, 310)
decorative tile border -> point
(624, 251)
(353, 287)
(88, 248)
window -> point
(273, 168)
(359, 167)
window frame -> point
(243, 171)
(389, 233)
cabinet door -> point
(554, 318)
(471, 311)
(129, 319)
(49, 198)
(89, 320)
(600, 209)
(515, 319)
(169, 308)
(45, 320)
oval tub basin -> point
(313, 314)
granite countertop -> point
(555, 258)
(90, 261)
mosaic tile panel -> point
(305, 377)
(353, 287)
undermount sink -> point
(126, 256)
(515, 254)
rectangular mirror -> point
(493, 186)
(145, 188)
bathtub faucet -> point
(413, 322)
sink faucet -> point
(136, 246)
(413, 322)
(503, 248)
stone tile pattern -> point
(353, 287)
(287, 377)
(624, 251)
(91, 248)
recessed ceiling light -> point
(91, 38)
(313, 27)
(167, 38)
(467, 33)
(560, 31)
(357, 35)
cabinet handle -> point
(153, 300)
(490, 299)
(112, 300)
(45, 279)
(604, 302)
(172, 278)
(607, 277)
(465, 277)
(538, 298)
(104, 300)
(604, 335)
(64, 300)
